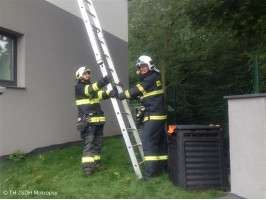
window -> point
(8, 59)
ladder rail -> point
(92, 37)
(126, 138)
(104, 44)
(111, 65)
(95, 46)
(132, 125)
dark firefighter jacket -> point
(88, 97)
(150, 88)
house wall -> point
(53, 43)
(107, 17)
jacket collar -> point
(85, 82)
(143, 76)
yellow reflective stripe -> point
(127, 94)
(158, 83)
(87, 90)
(149, 158)
(141, 89)
(95, 87)
(87, 101)
(100, 95)
(153, 93)
(87, 159)
(158, 117)
(163, 117)
(97, 157)
(96, 119)
(163, 157)
(107, 92)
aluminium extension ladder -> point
(105, 62)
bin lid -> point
(198, 127)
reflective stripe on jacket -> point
(88, 97)
(155, 158)
(150, 117)
(150, 88)
(96, 119)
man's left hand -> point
(113, 93)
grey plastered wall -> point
(247, 134)
(54, 44)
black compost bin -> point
(196, 157)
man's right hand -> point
(107, 79)
(121, 96)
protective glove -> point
(140, 113)
(121, 96)
(113, 93)
(107, 79)
(140, 116)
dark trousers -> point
(155, 148)
(91, 153)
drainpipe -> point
(2, 90)
(256, 74)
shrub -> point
(17, 156)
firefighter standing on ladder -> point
(154, 138)
(90, 117)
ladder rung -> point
(131, 129)
(141, 162)
(96, 28)
(110, 70)
(88, 2)
(100, 41)
(135, 145)
(90, 13)
(125, 113)
(105, 54)
(100, 62)
(119, 84)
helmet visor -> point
(87, 70)
(141, 64)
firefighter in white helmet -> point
(154, 140)
(90, 116)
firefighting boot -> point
(97, 165)
(88, 172)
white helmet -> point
(146, 60)
(81, 71)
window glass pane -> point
(6, 58)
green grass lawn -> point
(58, 174)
